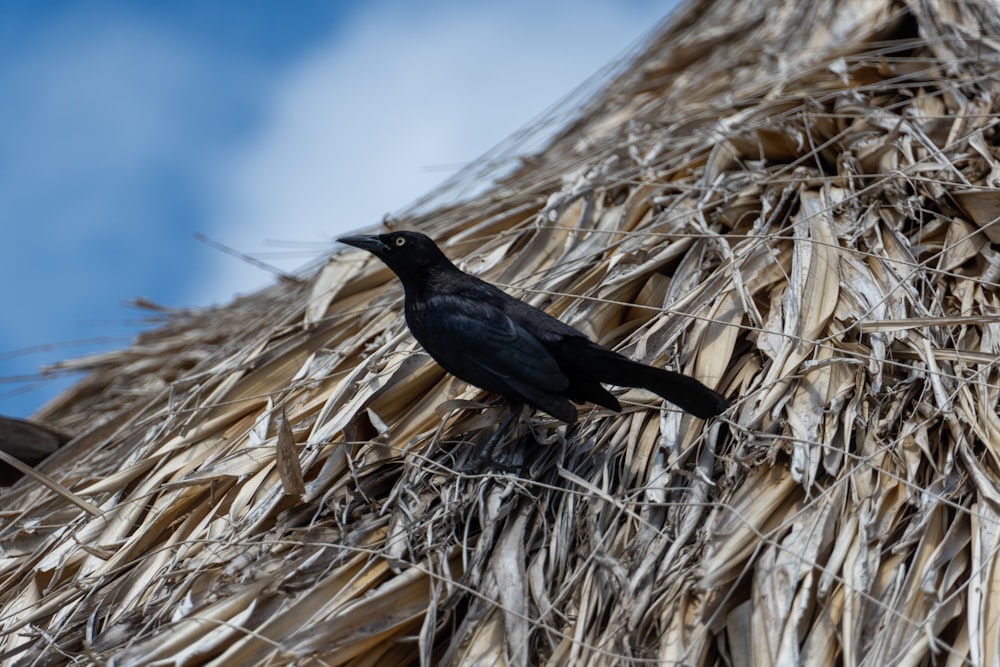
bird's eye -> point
(400, 241)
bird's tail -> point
(683, 391)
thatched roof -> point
(794, 202)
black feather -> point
(502, 344)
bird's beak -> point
(372, 244)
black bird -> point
(502, 344)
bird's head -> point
(406, 253)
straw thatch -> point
(794, 202)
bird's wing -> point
(476, 341)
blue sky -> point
(129, 127)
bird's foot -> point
(485, 455)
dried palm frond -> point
(795, 202)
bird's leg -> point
(486, 455)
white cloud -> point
(361, 126)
